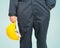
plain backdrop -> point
(53, 36)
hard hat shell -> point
(11, 31)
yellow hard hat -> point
(11, 32)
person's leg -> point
(26, 33)
(25, 24)
(26, 39)
(41, 21)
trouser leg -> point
(25, 22)
(26, 40)
(41, 21)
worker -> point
(31, 14)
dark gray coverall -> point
(32, 14)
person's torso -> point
(28, 5)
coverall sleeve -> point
(51, 3)
(13, 8)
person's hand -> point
(13, 19)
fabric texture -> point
(32, 14)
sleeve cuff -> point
(10, 14)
